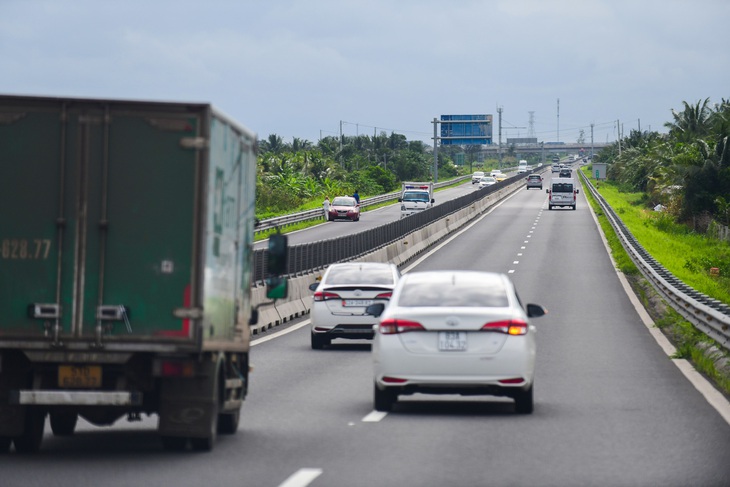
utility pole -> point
(618, 136)
(340, 143)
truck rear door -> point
(98, 226)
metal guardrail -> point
(311, 256)
(316, 214)
(708, 315)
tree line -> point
(686, 170)
(293, 176)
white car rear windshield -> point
(426, 294)
(356, 275)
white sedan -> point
(340, 299)
(454, 332)
(486, 181)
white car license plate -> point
(357, 302)
(452, 341)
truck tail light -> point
(508, 327)
(176, 368)
(393, 326)
(325, 296)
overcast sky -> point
(297, 68)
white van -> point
(562, 192)
(522, 167)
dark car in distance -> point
(565, 173)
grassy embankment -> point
(685, 254)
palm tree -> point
(691, 123)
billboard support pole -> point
(435, 152)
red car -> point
(344, 207)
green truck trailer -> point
(126, 231)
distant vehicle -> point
(454, 332)
(522, 167)
(534, 181)
(495, 173)
(563, 192)
(556, 159)
(571, 158)
(487, 181)
(415, 197)
(565, 173)
(555, 168)
(340, 299)
(476, 176)
(344, 208)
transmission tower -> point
(531, 126)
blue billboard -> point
(466, 129)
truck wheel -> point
(174, 443)
(207, 442)
(228, 422)
(63, 424)
(30, 440)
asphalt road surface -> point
(611, 408)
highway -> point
(611, 408)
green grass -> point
(691, 343)
(686, 254)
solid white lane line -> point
(374, 417)
(302, 477)
(280, 333)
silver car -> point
(340, 299)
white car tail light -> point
(324, 296)
(508, 327)
(384, 295)
(392, 326)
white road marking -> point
(280, 333)
(515, 261)
(302, 477)
(374, 417)
(511, 271)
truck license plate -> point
(452, 341)
(79, 376)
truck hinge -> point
(194, 143)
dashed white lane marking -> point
(302, 477)
(511, 271)
(374, 417)
(515, 261)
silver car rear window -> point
(426, 294)
(562, 188)
(356, 275)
